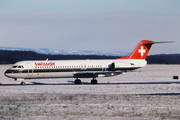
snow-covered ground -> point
(150, 79)
(150, 93)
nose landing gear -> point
(22, 83)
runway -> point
(86, 83)
(149, 94)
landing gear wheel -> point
(93, 81)
(77, 81)
(22, 83)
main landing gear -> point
(78, 81)
(93, 81)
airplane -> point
(42, 69)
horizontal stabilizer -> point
(158, 42)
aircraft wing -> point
(97, 74)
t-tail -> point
(142, 49)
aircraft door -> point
(103, 67)
(30, 69)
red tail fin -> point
(141, 50)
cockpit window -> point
(19, 66)
(14, 66)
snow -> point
(149, 93)
(150, 79)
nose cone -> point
(7, 73)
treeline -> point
(11, 57)
(163, 59)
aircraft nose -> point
(6, 73)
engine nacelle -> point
(112, 66)
(127, 65)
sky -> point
(96, 25)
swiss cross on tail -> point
(142, 49)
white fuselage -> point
(71, 68)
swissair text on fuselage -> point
(45, 64)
